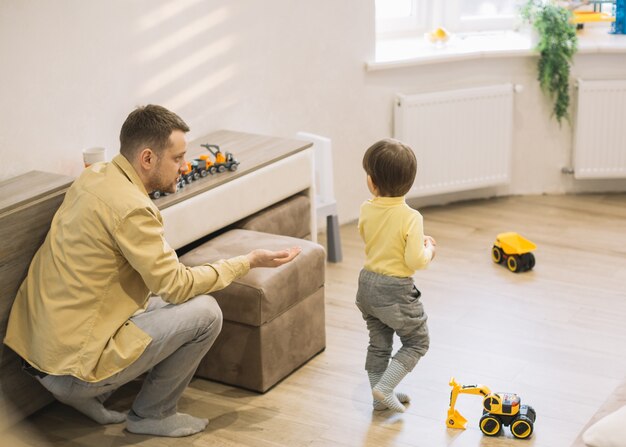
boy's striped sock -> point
(378, 405)
(383, 390)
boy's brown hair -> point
(392, 166)
(149, 126)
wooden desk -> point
(271, 169)
(27, 204)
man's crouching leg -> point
(63, 389)
(181, 336)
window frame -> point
(430, 14)
(415, 23)
(459, 24)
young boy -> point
(395, 247)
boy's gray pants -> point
(181, 336)
(390, 304)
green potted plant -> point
(556, 46)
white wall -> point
(72, 70)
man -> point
(106, 300)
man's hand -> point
(267, 258)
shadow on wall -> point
(186, 46)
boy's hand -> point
(267, 258)
(430, 242)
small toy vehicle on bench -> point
(202, 166)
(514, 251)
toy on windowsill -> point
(438, 36)
(579, 18)
(499, 409)
(202, 166)
(619, 10)
(617, 17)
(514, 251)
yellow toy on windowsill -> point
(438, 36)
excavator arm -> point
(455, 419)
(215, 150)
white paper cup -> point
(93, 155)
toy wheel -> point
(530, 412)
(196, 175)
(221, 168)
(531, 261)
(233, 167)
(496, 254)
(522, 427)
(212, 170)
(203, 173)
(490, 425)
(513, 263)
(155, 194)
(527, 261)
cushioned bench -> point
(273, 318)
(289, 217)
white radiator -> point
(462, 138)
(600, 130)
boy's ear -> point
(372, 185)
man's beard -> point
(160, 184)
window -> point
(419, 16)
(481, 15)
(401, 16)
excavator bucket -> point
(455, 420)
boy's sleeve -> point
(416, 256)
(360, 222)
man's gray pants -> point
(181, 336)
(390, 304)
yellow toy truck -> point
(514, 251)
(499, 409)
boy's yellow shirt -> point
(393, 234)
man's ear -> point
(147, 159)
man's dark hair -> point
(392, 166)
(149, 126)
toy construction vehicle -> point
(498, 409)
(514, 251)
(191, 172)
(202, 166)
(158, 193)
(222, 161)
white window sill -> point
(407, 52)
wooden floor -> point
(556, 336)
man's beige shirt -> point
(104, 255)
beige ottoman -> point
(273, 318)
(290, 217)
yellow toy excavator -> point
(498, 409)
